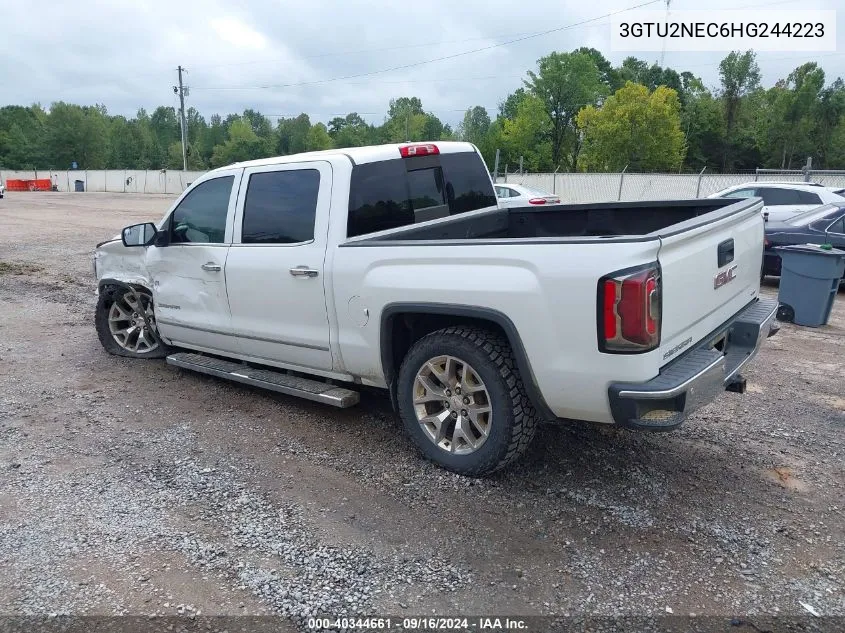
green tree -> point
(740, 75)
(528, 135)
(22, 137)
(75, 133)
(828, 112)
(703, 125)
(609, 75)
(351, 131)
(243, 144)
(508, 107)
(634, 127)
(318, 138)
(475, 125)
(292, 134)
(565, 82)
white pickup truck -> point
(393, 267)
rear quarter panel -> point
(546, 289)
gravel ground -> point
(133, 488)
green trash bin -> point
(809, 280)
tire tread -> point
(525, 418)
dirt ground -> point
(131, 487)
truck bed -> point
(596, 220)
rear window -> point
(808, 197)
(404, 191)
(772, 196)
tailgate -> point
(710, 270)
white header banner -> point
(761, 30)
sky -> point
(251, 54)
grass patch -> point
(19, 268)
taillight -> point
(629, 310)
(426, 149)
(537, 201)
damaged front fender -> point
(114, 261)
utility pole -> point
(663, 49)
(180, 90)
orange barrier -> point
(41, 184)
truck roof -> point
(358, 155)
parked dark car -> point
(822, 225)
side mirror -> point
(139, 234)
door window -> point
(280, 207)
(201, 216)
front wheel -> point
(463, 402)
(121, 327)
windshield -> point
(814, 214)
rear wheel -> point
(121, 326)
(463, 402)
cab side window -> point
(281, 207)
(201, 216)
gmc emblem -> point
(724, 277)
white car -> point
(2, 189)
(518, 195)
(393, 267)
(783, 200)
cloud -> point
(125, 55)
(237, 33)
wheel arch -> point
(134, 282)
(404, 323)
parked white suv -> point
(783, 200)
(394, 267)
(2, 189)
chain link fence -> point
(592, 187)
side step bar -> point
(267, 379)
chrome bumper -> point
(697, 377)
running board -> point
(267, 379)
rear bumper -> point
(696, 378)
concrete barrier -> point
(110, 180)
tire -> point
(488, 361)
(109, 295)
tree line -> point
(574, 112)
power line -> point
(444, 57)
(431, 44)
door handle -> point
(304, 271)
(211, 267)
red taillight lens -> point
(426, 149)
(537, 201)
(609, 310)
(630, 310)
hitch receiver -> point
(737, 385)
